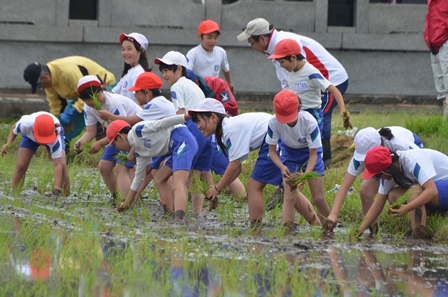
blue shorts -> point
(265, 170)
(318, 115)
(183, 148)
(442, 189)
(203, 159)
(219, 160)
(28, 143)
(418, 141)
(109, 155)
(297, 159)
(156, 161)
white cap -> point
(88, 81)
(208, 105)
(172, 58)
(141, 39)
(365, 139)
(256, 27)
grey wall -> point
(383, 53)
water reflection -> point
(40, 260)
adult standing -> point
(263, 38)
(436, 37)
(60, 79)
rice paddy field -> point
(81, 246)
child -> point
(219, 90)
(405, 169)
(186, 95)
(394, 138)
(155, 107)
(88, 87)
(237, 137)
(40, 128)
(207, 58)
(305, 80)
(156, 138)
(309, 84)
(301, 152)
(133, 52)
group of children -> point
(174, 142)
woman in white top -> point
(394, 138)
(424, 172)
(238, 136)
(133, 52)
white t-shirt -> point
(151, 139)
(204, 63)
(304, 134)
(185, 94)
(314, 53)
(244, 133)
(158, 108)
(114, 103)
(403, 140)
(419, 166)
(25, 127)
(308, 83)
(128, 81)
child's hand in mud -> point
(329, 225)
(77, 147)
(122, 207)
(96, 146)
(211, 193)
(285, 171)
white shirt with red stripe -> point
(314, 53)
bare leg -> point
(165, 191)
(107, 172)
(369, 188)
(24, 156)
(256, 202)
(197, 198)
(317, 193)
(123, 179)
(180, 181)
(237, 189)
(65, 176)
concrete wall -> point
(384, 52)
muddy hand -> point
(4, 151)
(122, 207)
(78, 147)
(329, 225)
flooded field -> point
(81, 246)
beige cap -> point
(256, 27)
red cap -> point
(377, 159)
(207, 27)
(114, 128)
(88, 81)
(44, 129)
(286, 47)
(286, 105)
(147, 81)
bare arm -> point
(312, 160)
(228, 79)
(232, 172)
(11, 138)
(86, 137)
(347, 182)
(339, 99)
(374, 212)
(276, 160)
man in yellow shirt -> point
(60, 79)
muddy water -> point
(82, 247)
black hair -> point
(125, 130)
(173, 68)
(298, 56)
(386, 133)
(202, 35)
(156, 92)
(257, 37)
(87, 93)
(142, 60)
(397, 174)
(218, 131)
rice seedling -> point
(121, 157)
(347, 124)
(95, 101)
(297, 179)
